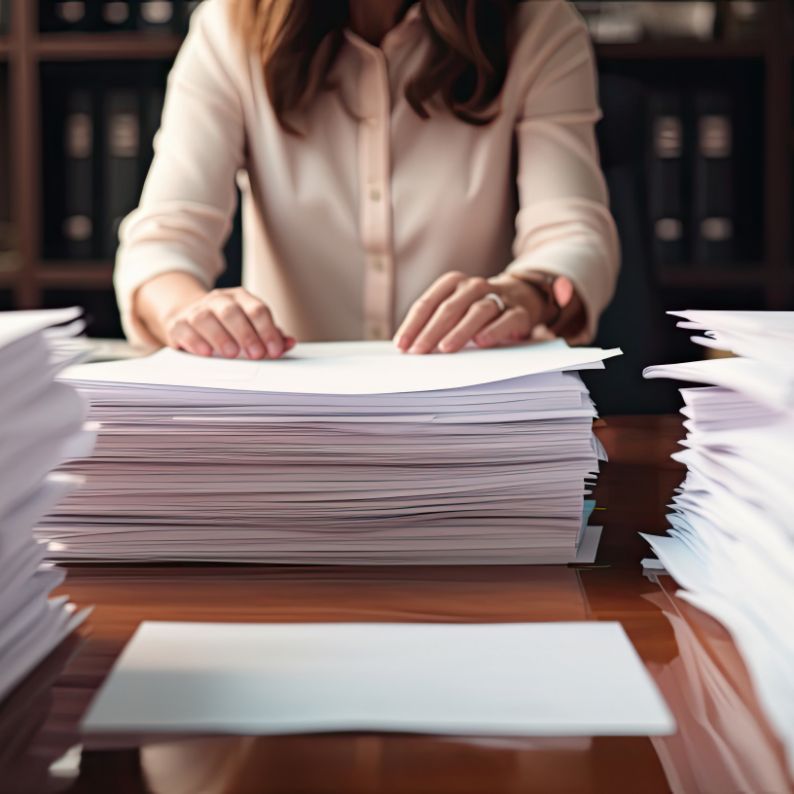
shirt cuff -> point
(576, 265)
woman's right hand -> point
(224, 322)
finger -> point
(422, 309)
(289, 342)
(480, 314)
(512, 326)
(237, 323)
(261, 319)
(449, 314)
(206, 324)
(184, 337)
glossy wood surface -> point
(723, 742)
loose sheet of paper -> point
(344, 368)
(558, 679)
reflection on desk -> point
(33, 737)
(723, 742)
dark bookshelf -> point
(766, 278)
(133, 45)
(673, 49)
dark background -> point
(743, 71)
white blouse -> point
(345, 226)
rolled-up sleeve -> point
(563, 225)
(189, 197)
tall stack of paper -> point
(41, 425)
(731, 542)
(338, 453)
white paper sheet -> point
(343, 368)
(559, 679)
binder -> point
(185, 9)
(6, 231)
(121, 152)
(4, 8)
(118, 15)
(665, 179)
(78, 225)
(152, 100)
(60, 15)
(714, 209)
(156, 15)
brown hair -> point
(298, 41)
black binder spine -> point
(665, 180)
(4, 27)
(79, 217)
(157, 15)
(59, 15)
(152, 100)
(185, 9)
(118, 15)
(121, 148)
(713, 184)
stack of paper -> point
(41, 425)
(731, 542)
(338, 453)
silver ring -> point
(500, 304)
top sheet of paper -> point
(343, 368)
(15, 325)
(530, 679)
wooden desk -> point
(690, 656)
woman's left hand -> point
(456, 310)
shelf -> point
(682, 49)
(8, 278)
(698, 277)
(105, 46)
(79, 274)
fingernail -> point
(255, 351)
(204, 350)
(274, 349)
(230, 350)
(402, 342)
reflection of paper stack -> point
(40, 427)
(339, 453)
(35, 732)
(723, 742)
(731, 544)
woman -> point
(429, 168)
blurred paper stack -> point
(41, 426)
(338, 453)
(731, 541)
